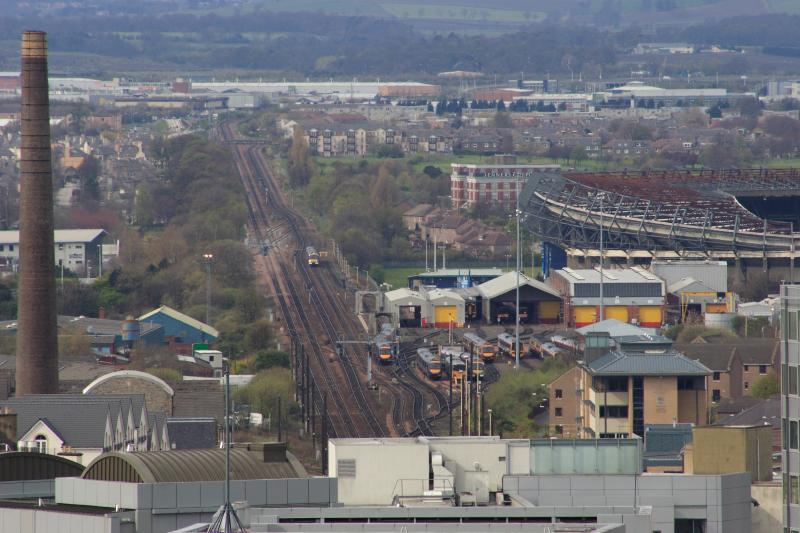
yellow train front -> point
(312, 255)
(480, 347)
(507, 345)
(430, 363)
(386, 346)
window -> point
(614, 411)
(559, 393)
(559, 412)
(762, 369)
(746, 385)
(41, 444)
(792, 325)
(715, 395)
(559, 429)
(747, 368)
(795, 488)
(601, 384)
(715, 377)
(793, 434)
(792, 380)
(10, 247)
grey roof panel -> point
(192, 433)
(669, 363)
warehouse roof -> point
(688, 284)
(666, 363)
(615, 328)
(403, 294)
(180, 317)
(508, 282)
(613, 275)
(460, 272)
(60, 235)
(178, 466)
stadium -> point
(746, 217)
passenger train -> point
(430, 363)
(506, 344)
(479, 346)
(453, 353)
(385, 342)
(312, 256)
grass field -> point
(397, 277)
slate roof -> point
(717, 354)
(614, 328)
(669, 363)
(80, 426)
(192, 433)
(198, 398)
(766, 411)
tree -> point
(749, 107)
(502, 119)
(258, 336)
(765, 387)
(266, 359)
(715, 112)
(300, 165)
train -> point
(548, 349)
(430, 363)
(480, 347)
(312, 255)
(477, 366)
(570, 345)
(448, 354)
(506, 344)
(385, 342)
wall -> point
(155, 397)
(767, 516)
(692, 407)
(723, 501)
(660, 400)
(36, 521)
(478, 450)
(720, 450)
(379, 466)
(569, 403)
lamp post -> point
(207, 259)
(516, 311)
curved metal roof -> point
(129, 374)
(21, 466)
(178, 466)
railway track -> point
(264, 201)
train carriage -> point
(312, 255)
(506, 345)
(476, 366)
(453, 353)
(385, 342)
(548, 349)
(430, 363)
(479, 346)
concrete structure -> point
(629, 295)
(727, 449)
(157, 393)
(77, 250)
(408, 308)
(37, 346)
(490, 184)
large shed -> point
(445, 308)
(538, 302)
(408, 308)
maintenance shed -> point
(408, 308)
(445, 308)
(629, 295)
(539, 303)
(452, 278)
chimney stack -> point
(37, 346)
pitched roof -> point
(615, 328)
(82, 425)
(419, 211)
(190, 433)
(508, 282)
(177, 315)
(668, 363)
(60, 235)
(684, 284)
(764, 412)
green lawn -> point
(397, 277)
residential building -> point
(615, 394)
(76, 250)
(629, 295)
(473, 184)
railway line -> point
(310, 302)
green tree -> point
(766, 387)
(266, 359)
(259, 335)
(300, 165)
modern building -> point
(790, 404)
(77, 250)
(473, 184)
(453, 278)
(629, 295)
(614, 394)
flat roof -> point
(613, 275)
(460, 272)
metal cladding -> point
(37, 346)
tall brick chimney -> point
(37, 346)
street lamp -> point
(208, 258)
